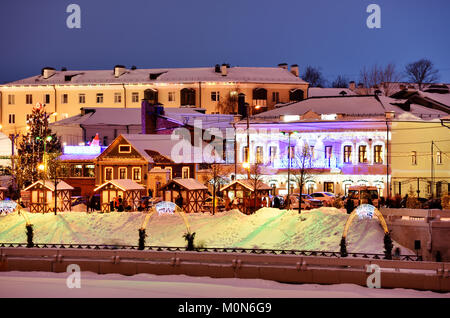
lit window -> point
(82, 98)
(272, 153)
(259, 154)
(124, 148)
(122, 173)
(185, 173)
(77, 171)
(12, 118)
(328, 152)
(377, 154)
(347, 154)
(170, 171)
(99, 98)
(171, 96)
(362, 154)
(137, 174)
(108, 173)
(215, 96)
(245, 154)
(64, 98)
(89, 171)
(414, 158)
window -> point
(328, 152)
(246, 154)
(124, 148)
(28, 117)
(259, 154)
(272, 154)
(328, 187)
(89, 171)
(108, 173)
(170, 171)
(12, 118)
(99, 98)
(439, 158)
(29, 99)
(171, 96)
(82, 98)
(347, 154)
(187, 97)
(137, 174)
(105, 140)
(275, 97)
(47, 99)
(414, 158)
(291, 153)
(64, 98)
(377, 155)
(11, 99)
(362, 154)
(185, 173)
(215, 96)
(77, 170)
(135, 97)
(117, 98)
(122, 173)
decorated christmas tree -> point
(37, 149)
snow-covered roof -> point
(189, 184)
(104, 116)
(322, 92)
(51, 185)
(249, 184)
(370, 106)
(440, 98)
(122, 184)
(167, 75)
(5, 145)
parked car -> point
(327, 198)
(294, 200)
(314, 203)
(281, 200)
(364, 195)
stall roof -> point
(51, 185)
(249, 184)
(123, 184)
(188, 184)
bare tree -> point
(229, 103)
(314, 77)
(256, 170)
(301, 171)
(421, 72)
(383, 78)
(340, 82)
(217, 176)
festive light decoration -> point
(82, 150)
(365, 211)
(165, 207)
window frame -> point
(106, 174)
(99, 98)
(82, 98)
(133, 173)
(347, 154)
(120, 169)
(122, 151)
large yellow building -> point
(65, 92)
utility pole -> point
(432, 170)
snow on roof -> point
(167, 75)
(5, 145)
(104, 116)
(123, 184)
(322, 92)
(51, 185)
(189, 184)
(221, 121)
(440, 98)
(249, 184)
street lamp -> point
(289, 133)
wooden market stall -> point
(243, 193)
(42, 199)
(126, 190)
(193, 192)
(3, 193)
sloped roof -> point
(51, 185)
(249, 184)
(123, 184)
(167, 75)
(104, 116)
(322, 92)
(189, 184)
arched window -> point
(260, 94)
(151, 95)
(188, 97)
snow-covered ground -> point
(42, 284)
(319, 229)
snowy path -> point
(41, 284)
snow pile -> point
(319, 229)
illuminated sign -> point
(289, 118)
(82, 150)
(365, 211)
(165, 207)
(7, 207)
(328, 116)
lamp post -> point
(289, 133)
(248, 140)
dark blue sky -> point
(330, 34)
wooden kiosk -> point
(192, 191)
(127, 189)
(42, 199)
(2, 193)
(244, 192)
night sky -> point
(329, 34)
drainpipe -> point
(56, 102)
(124, 96)
(200, 93)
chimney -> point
(119, 70)
(294, 70)
(390, 115)
(149, 116)
(224, 70)
(47, 72)
(217, 69)
(284, 66)
(352, 85)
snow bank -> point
(319, 229)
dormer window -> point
(124, 149)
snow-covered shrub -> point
(446, 201)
